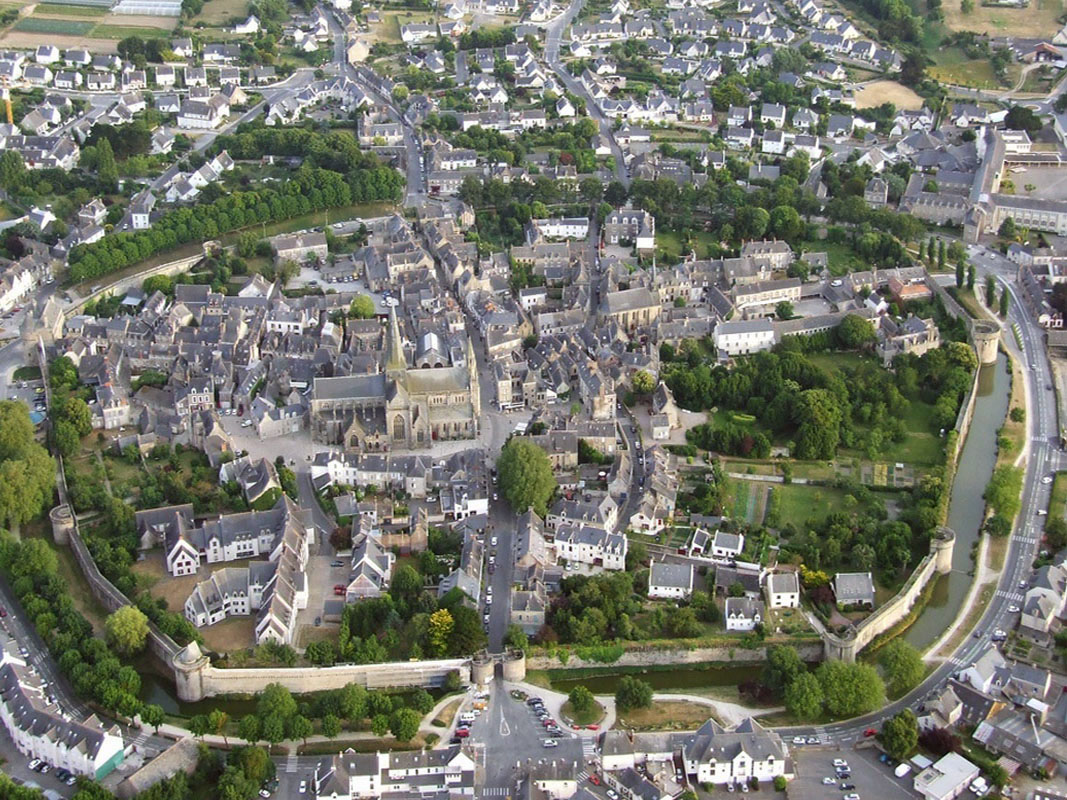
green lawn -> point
(124, 31)
(841, 259)
(801, 503)
(669, 244)
(1058, 501)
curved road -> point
(1044, 457)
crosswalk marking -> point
(495, 791)
(582, 776)
(588, 747)
(1010, 595)
(291, 762)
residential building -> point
(854, 589)
(721, 756)
(783, 590)
(668, 581)
(945, 779)
(743, 613)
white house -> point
(741, 337)
(41, 730)
(783, 590)
(727, 545)
(743, 613)
(588, 544)
(947, 778)
(669, 581)
(562, 227)
(722, 756)
(250, 25)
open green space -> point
(103, 31)
(840, 258)
(951, 65)
(671, 245)
(1058, 501)
(61, 27)
(804, 502)
(588, 716)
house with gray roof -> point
(854, 589)
(783, 590)
(743, 613)
(727, 545)
(721, 756)
(669, 581)
(40, 729)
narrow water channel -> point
(967, 508)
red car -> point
(594, 779)
(339, 589)
(3, 611)
(870, 732)
(592, 727)
(463, 733)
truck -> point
(902, 770)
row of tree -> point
(307, 190)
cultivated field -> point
(877, 92)
(220, 12)
(91, 27)
(29, 41)
(1038, 20)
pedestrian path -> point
(588, 746)
(1013, 596)
(292, 764)
(495, 791)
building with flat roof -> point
(946, 779)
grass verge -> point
(674, 715)
(985, 594)
(589, 716)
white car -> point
(613, 794)
(1046, 480)
(488, 591)
(798, 740)
(829, 782)
(492, 541)
(999, 635)
(488, 600)
(550, 743)
(851, 796)
(1013, 609)
(303, 787)
(840, 762)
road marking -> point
(496, 791)
(291, 763)
(504, 729)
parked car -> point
(594, 779)
(550, 743)
(303, 787)
(870, 732)
(337, 563)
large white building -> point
(429, 774)
(588, 544)
(40, 730)
(562, 227)
(946, 779)
(741, 337)
(721, 756)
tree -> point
(1005, 301)
(362, 307)
(803, 697)
(990, 291)
(1056, 533)
(784, 310)
(12, 170)
(107, 171)
(331, 726)
(152, 715)
(581, 699)
(854, 332)
(900, 734)
(782, 668)
(960, 274)
(199, 725)
(1021, 118)
(902, 666)
(127, 630)
(404, 724)
(850, 689)
(249, 728)
(467, 636)
(516, 639)
(526, 478)
(970, 277)
(276, 700)
(966, 6)
(66, 438)
(633, 693)
(440, 632)
(1007, 229)
(643, 382)
(300, 728)
(217, 720)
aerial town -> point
(540, 399)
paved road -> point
(553, 37)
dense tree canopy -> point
(526, 478)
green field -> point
(66, 10)
(61, 27)
(804, 502)
(123, 31)
(669, 243)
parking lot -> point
(872, 779)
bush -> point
(633, 693)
